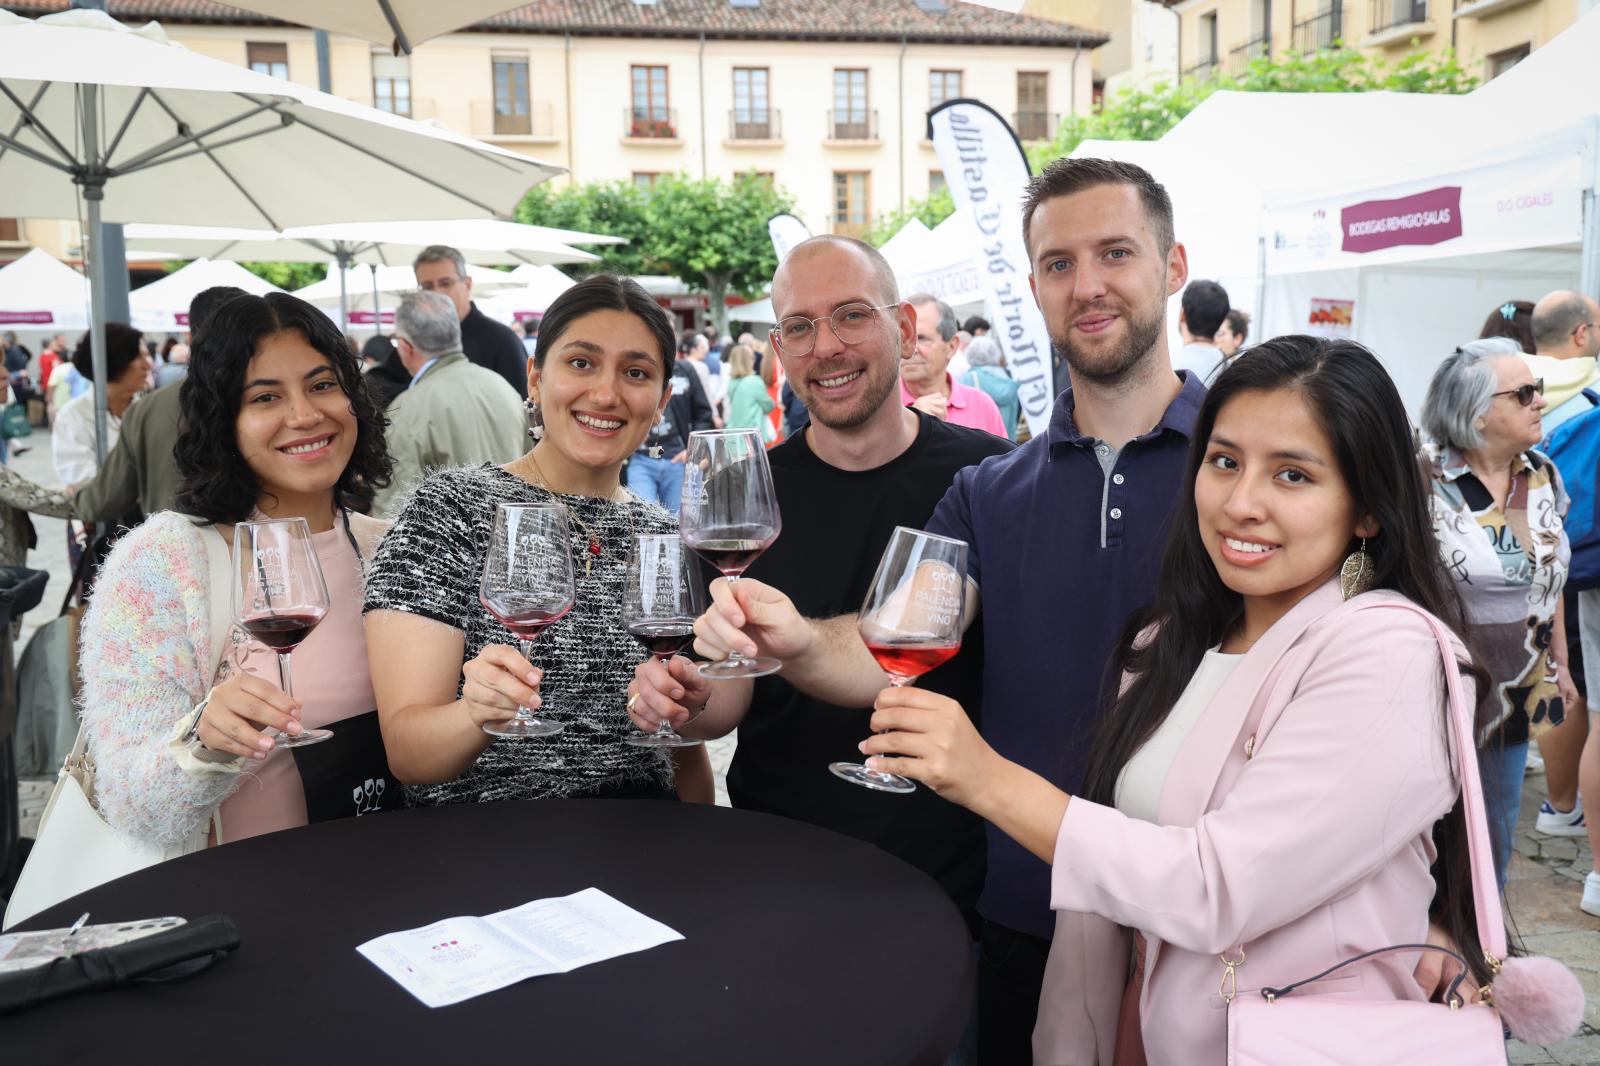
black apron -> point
(348, 775)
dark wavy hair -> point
(124, 344)
(1360, 412)
(216, 482)
(607, 292)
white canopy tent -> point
(163, 305)
(537, 288)
(40, 292)
(365, 286)
(1421, 254)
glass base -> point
(300, 739)
(659, 740)
(857, 774)
(523, 728)
(728, 669)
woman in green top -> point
(748, 400)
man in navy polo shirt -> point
(1065, 537)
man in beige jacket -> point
(455, 413)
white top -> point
(1202, 360)
(72, 439)
(1139, 786)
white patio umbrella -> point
(104, 122)
(163, 305)
(400, 24)
(487, 241)
(39, 291)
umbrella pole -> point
(344, 298)
(93, 182)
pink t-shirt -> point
(330, 678)
(967, 406)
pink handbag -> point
(1538, 996)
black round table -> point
(800, 946)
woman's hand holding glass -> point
(496, 683)
(242, 713)
(929, 738)
(673, 691)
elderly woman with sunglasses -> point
(1498, 509)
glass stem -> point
(896, 681)
(734, 657)
(285, 680)
(525, 714)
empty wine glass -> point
(528, 586)
(279, 596)
(911, 622)
(729, 516)
(660, 602)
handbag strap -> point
(220, 569)
(1452, 994)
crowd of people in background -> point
(1173, 549)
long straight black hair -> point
(1359, 411)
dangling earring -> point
(530, 408)
(1355, 576)
(655, 451)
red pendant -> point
(594, 547)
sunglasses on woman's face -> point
(1525, 393)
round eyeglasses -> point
(1525, 393)
(797, 334)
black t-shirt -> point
(836, 524)
(494, 347)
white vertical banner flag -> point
(786, 232)
(987, 172)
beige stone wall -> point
(1478, 30)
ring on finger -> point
(632, 700)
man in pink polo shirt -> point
(926, 384)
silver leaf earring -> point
(1355, 576)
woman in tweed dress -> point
(442, 666)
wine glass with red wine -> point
(911, 622)
(660, 602)
(279, 596)
(729, 516)
(527, 585)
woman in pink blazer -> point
(1272, 783)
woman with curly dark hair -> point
(178, 707)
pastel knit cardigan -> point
(144, 648)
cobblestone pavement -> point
(1546, 873)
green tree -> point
(1146, 114)
(713, 234)
(615, 208)
(932, 211)
(709, 233)
(290, 276)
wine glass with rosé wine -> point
(911, 622)
(660, 602)
(729, 516)
(279, 596)
(527, 586)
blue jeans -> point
(656, 480)
(1502, 767)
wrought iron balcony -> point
(755, 124)
(650, 122)
(856, 124)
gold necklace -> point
(594, 546)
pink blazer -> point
(1295, 821)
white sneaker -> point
(1591, 894)
(1554, 823)
(1535, 764)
